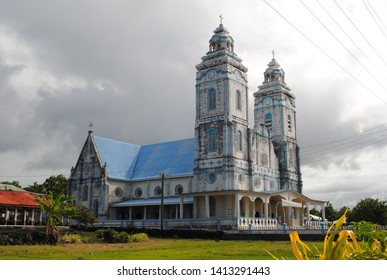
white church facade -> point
(230, 172)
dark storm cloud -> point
(129, 67)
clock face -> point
(267, 101)
(211, 74)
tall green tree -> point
(55, 184)
(370, 210)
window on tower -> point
(268, 120)
(238, 100)
(290, 123)
(239, 140)
(212, 140)
(212, 99)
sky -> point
(129, 67)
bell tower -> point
(221, 125)
(275, 117)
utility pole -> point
(162, 203)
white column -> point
(33, 217)
(266, 205)
(308, 212)
(24, 217)
(181, 207)
(6, 215)
(207, 206)
(15, 217)
(323, 212)
(237, 210)
(252, 209)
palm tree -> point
(53, 209)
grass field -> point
(155, 249)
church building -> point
(245, 177)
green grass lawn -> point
(155, 249)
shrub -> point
(138, 237)
(112, 236)
(346, 245)
(71, 239)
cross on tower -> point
(273, 53)
(91, 126)
(221, 19)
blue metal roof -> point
(133, 162)
(153, 201)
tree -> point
(370, 210)
(13, 183)
(55, 184)
(53, 209)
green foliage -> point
(138, 237)
(375, 238)
(71, 239)
(13, 183)
(53, 209)
(82, 214)
(55, 184)
(112, 236)
(370, 210)
(346, 245)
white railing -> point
(257, 224)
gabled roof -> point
(133, 162)
(18, 199)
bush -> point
(112, 236)
(71, 239)
(138, 237)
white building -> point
(229, 172)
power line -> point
(326, 54)
(353, 42)
(360, 32)
(377, 15)
(373, 17)
(334, 36)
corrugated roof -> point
(132, 162)
(153, 201)
(120, 157)
(172, 158)
(20, 199)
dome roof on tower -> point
(274, 72)
(221, 40)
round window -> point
(211, 178)
(158, 191)
(179, 189)
(138, 192)
(118, 192)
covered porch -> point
(237, 210)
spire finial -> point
(273, 53)
(91, 127)
(221, 18)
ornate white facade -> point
(228, 171)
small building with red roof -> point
(18, 207)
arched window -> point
(289, 122)
(85, 192)
(238, 100)
(95, 207)
(268, 120)
(239, 140)
(212, 140)
(212, 99)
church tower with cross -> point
(230, 174)
(221, 126)
(275, 119)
